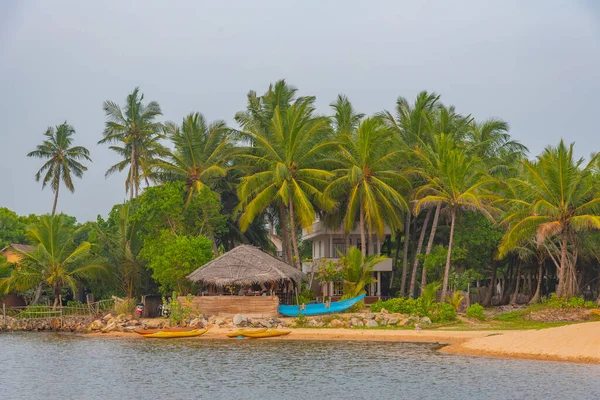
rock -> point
(96, 325)
(110, 327)
(392, 321)
(370, 316)
(220, 322)
(371, 323)
(404, 322)
(129, 329)
(197, 323)
(425, 320)
(315, 323)
(152, 324)
(264, 323)
(356, 322)
(240, 320)
(121, 317)
(418, 327)
(384, 311)
(107, 317)
(336, 323)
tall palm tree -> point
(201, 156)
(557, 199)
(56, 261)
(454, 180)
(137, 134)
(63, 160)
(287, 157)
(366, 176)
(258, 117)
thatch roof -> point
(25, 248)
(245, 265)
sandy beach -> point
(573, 343)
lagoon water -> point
(52, 366)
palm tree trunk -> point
(538, 290)
(294, 238)
(562, 276)
(515, 296)
(363, 234)
(55, 200)
(287, 248)
(413, 277)
(396, 256)
(405, 255)
(434, 226)
(131, 169)
(38, 294)
(449, 257)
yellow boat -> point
(166, 334)
(268, 333)
(242, 332)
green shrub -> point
(126, 306)
(555, 301)
(301, 321)
(399, 305)
(306, 296)
(179, 312)
(476, 311)
(443, 312)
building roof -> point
(245, 265)
(20, 247)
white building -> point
(328, 244)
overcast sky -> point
(535, 64)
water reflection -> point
(68, 367)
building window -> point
(338, 288)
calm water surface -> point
(51, 366)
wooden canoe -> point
(178, 334)
(150, 331)
(267, 333)
(242, 332)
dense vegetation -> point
(467, 207)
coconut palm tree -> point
(63, 159)
(56, 261)
(201, 156)
(122, 245)
(258, 117)
(367, 178)
(454, 180)
(358, 271)
(137, 134)
(287, 158)
(556, 200)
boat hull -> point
(242, 332)
(266, 334)
(177, 334)
(319, 309)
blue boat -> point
(317, 309)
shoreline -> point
(577, 343)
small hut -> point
(240, 269)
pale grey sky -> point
(535, 64)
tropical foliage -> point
(463, 203)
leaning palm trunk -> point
(131, 168)
(490, 294)
(38, 294)
(294, 236)
(413, 276)
(536, 297)
(405, 255)
(449, 256)
(515, 295)
(434, 226)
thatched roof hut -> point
(244, 266)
